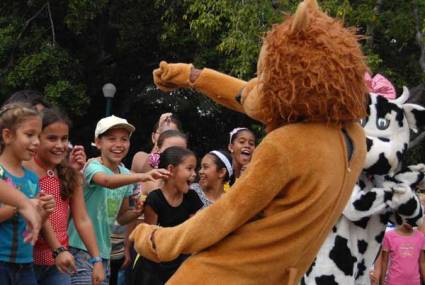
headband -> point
(225, 160)
(235, 131)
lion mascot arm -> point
(221, 88)
(227, 214)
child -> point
(241, 146)
(169, 206)
(403, 258)
(65, 184)
(20, 127)
(165, 140)
(167, 121)
(108, 185)
(216, 170)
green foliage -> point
(69, 52)
(82, 12)
(71, 96)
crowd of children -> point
(65, 219)
(58, 208)
(63, 216)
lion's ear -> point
(312, 5)
(301, 16)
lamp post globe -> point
(109, 91)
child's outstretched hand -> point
(77, 157)
(155, 174)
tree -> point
(69, 48)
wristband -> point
(58, 251)
(94, 260)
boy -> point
(108, 185)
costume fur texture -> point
(269, 226)
(384, 193)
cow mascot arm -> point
(405, 202)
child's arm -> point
(151, 217)
(17, 201)
(7, 212)
(422, 265)
(375, 275)
(84, 227)
(118, 180)
(384, 266)
(138, 163)
(64, 261)
(126, 214)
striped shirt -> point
(12, 246)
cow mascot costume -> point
(310, 94)
(384, 193)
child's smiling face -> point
(114, 144)
(209, 174)
(242, 147)
(184, 172)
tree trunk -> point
(419, 35)
(371, 26)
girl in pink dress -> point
(403, 257)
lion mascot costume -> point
(310, 94)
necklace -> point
(50, 172)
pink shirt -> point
(404, 257)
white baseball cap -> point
(112, 122)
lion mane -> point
(313, 70)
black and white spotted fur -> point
(383, 193)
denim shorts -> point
(50, 275)
(17, 274)
(85, 269)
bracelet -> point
(58, 251)
(94, 260)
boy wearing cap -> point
(108, 185)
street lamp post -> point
(109, 91)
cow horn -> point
(403, 97)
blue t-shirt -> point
(12, 246)
(103, 205)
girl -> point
(241, 146)
(141, 160)
(169, 206)
(65, 184)
(20, 127)
(216, 170)
(165, 140)
(403, 257)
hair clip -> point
(153, 159)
